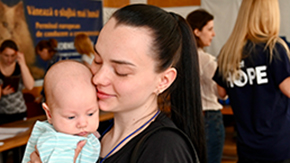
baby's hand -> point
(97, 134)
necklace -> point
(130, 135)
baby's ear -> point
(47, 112)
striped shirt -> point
(59, 147)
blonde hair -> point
(83, 44)
(257, 21)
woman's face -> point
(8, 56)
(206, 34)
(123, 69)
(44, 54)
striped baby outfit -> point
(55, 147)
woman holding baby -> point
(146, 61)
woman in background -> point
(202, 26)
(254, 70)
(84, 46)
(47, 51)
(13, 68)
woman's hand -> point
(7, 90)
(34, 157)
(80, 146)
(20, 58)
(38, 99)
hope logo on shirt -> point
(250, 75)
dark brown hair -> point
(8, 44)
(50, 45)
(173, 45)
(197, 19)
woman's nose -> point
(101, 77)
(11, 59)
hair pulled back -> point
(173, 46)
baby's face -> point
(76, 113)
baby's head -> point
(71, 100)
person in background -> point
(202, 25)
(254, 70)
(13, 69)
(73, 115)
(84, 46)
(143, 53)
(14, 76)
(47, 50)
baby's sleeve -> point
(46, 146)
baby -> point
(72, 115)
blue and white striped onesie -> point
(55, 147)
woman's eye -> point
(72, 117)
(97, 62)
(121, 74)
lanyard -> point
(130, 135)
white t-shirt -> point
(208, 87)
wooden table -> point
(227, 110)
(22, 138)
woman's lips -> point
(102, 95)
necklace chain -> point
(130, 135)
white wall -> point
(225, 13)
(285, 18)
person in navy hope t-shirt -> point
(254, 70)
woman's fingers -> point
(7, 90)
(20, 57)
(80, 146)
(34, 157)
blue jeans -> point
(215, 135)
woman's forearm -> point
(27, 78)
(285, 87)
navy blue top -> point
(162, 147)
(261, 110)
